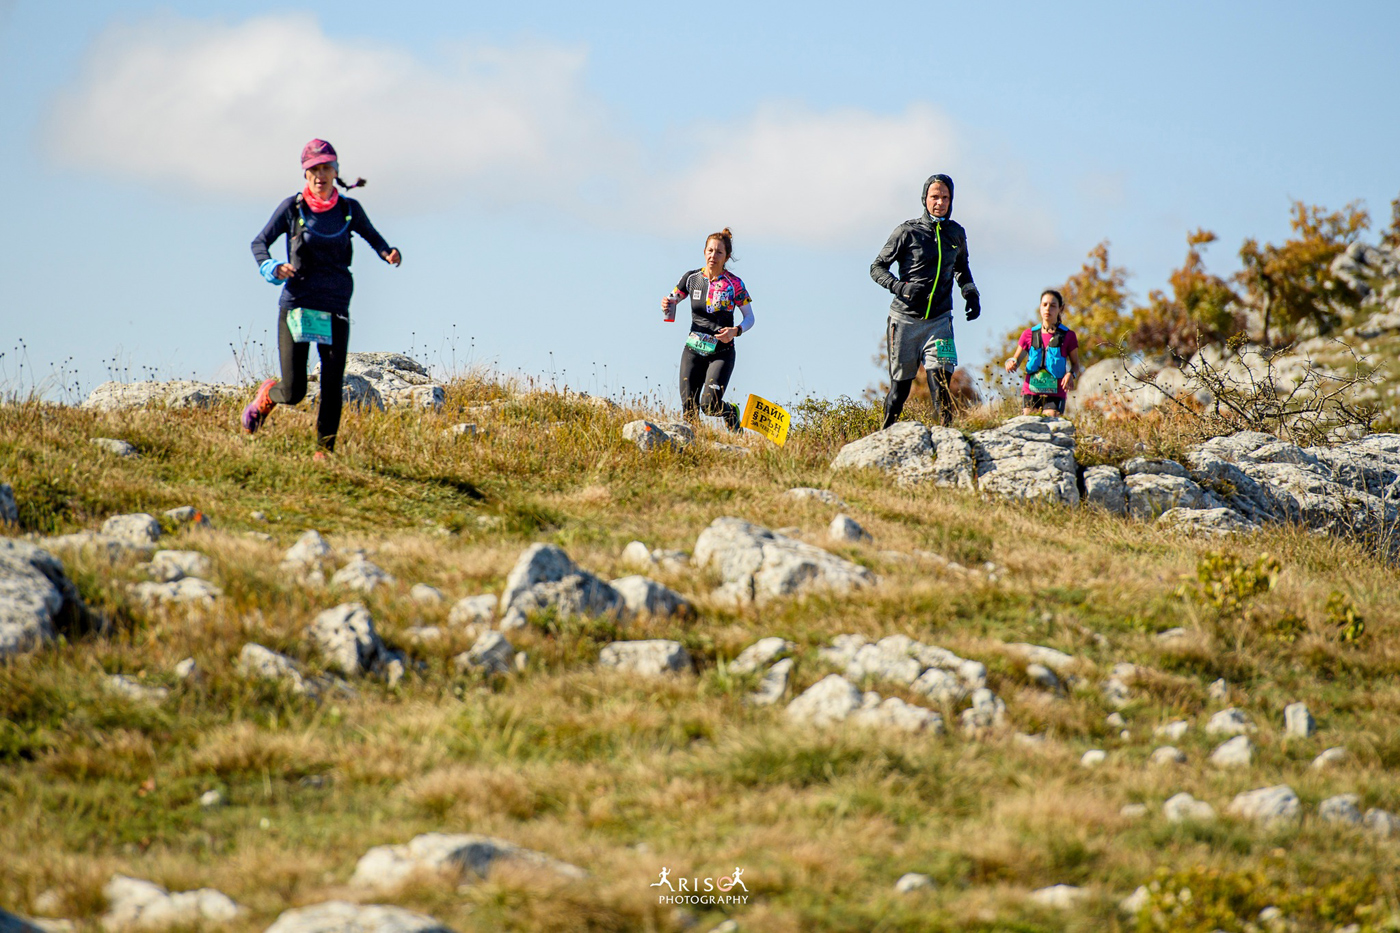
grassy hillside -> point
(622, 775)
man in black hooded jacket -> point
(932, 254)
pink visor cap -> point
(317, 152)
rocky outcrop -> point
(458, 858)
(37, 600)
(650, 435)
(134, 904)
(912, 453)
(654, 657)
(757, 564)
(1028, 458)
(178, 393)
(344, 917)
(346, 638)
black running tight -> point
(703, 381)
(292, 388)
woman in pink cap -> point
(316, 288)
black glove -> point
(912, 292)
(974, 305)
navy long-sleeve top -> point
(318, 248)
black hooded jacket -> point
(932, 253)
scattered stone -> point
(637, 554)
(211, 799)
(310, 549)
(183, 590)
(1173, 730)
(1340, 809)
(491, 654)
(1104, 489)
(1133, 904)
(579, 593)
(187, 515)
(346, 637)
(649, 436)
(170, 566)
(422, 634)
(1266, 805)
(987, 712)
(912, 882)
(1059, 896)
(256, 662)
(1115, 720)
(1298, 722)
(425, 595)
(828, 701)
(1208, 522)
(1056, 660)
(1167, 755)
(1183, 807)
(1093, 758)
(473, 610)
(773, 685)
(344, 917)
(1381, 822)
(37, 600)
(464, 429)
(653, 657)
(844, 529)
(135, 691)
(177, 393)
(1116, 692)
(106, 546)
(760, 653)
(361, 575)
(1133, 811)
(893, 713)
(9, 509)
(1028, 458)
(1043, 677)
(1173, 634)
(1233, 753)
(757, 564)
(138, 528)
(187, 669)
(808, 494)
(463, 858)
(1229, 722)
(134, 903)
(644, 596)
(115, 447)
(257, 516)
(1219, 690)
(913, 453)
(934, 672)
(538, 563)
(1331, 756)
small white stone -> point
(1059, 896)
(844, 529)
(1172, 731)
(1331, 756)
(1042, 677)
(1093, 758)
(1219, 690)
(211, 798)
(1115, 720)
(424, 594)
(1183, 807)
(1233, 753)
(1173, 634)
(1298, 722)
(913, 881)
(1135, 902)
(187, 669)
(1229, 722)
(1340, 809)
(1133, 811)
(1167, 755)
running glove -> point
(974, 304)
(912, 292)
(269, 271)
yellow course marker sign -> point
(767, 419)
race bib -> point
(308, 326)
(702, 343)
(1043, 382)
(946, 350)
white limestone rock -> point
(1183, 807)
(828, 701)
(135, 691)
(37, 600)
(1298, 722)
(186, 591)
(346, 637)
(1059, 897)
(1104, 489)
(491, 654)
(309, 550)
(362, 576)
(1206, 522)
(1266, 805)
(895, 714)
(654, 657)
(344, 917)
(1093, 758)
(177, 393)
(846, 530)
(169, 566)
(1340, 809)
(808, 494)
(758, 565)
(1230, 721)
(644, 596)
(1237, 752)
(649, 435)
(1332, 756)
(1166, 755)
(1028, 458)
(457, 857)
(911, 882)
(1172, 731)
(134, 904)
(912, 453)
(473, 610)
(988, 712)
(760, 653)
(773, 686)
(115, 447)
(138, 528)
(538, 563)
(425, 595)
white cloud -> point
(226, 107)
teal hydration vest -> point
(1046, 365)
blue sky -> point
(550, 169)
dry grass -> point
(622, 775)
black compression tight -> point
(292, 388)
(938, 391)
(703, 381)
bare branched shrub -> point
(1250, 390)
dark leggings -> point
(703, 381)
(937, 389)
(292, 388)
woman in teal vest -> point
(1051, 351)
